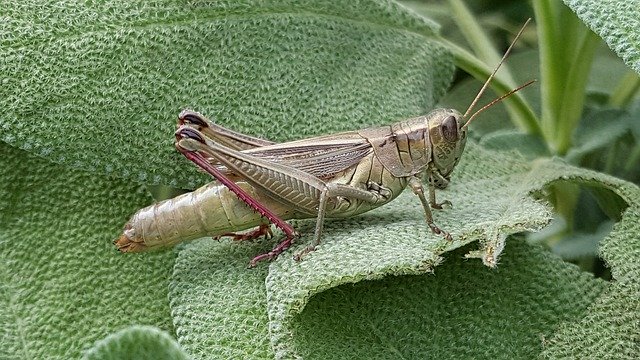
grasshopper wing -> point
(294, 173)
(322, 157)
(227, 137)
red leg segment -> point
(203, 163)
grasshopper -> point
(336, 176)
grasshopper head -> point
(448, 127)
(448, 137)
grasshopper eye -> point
(450, 128)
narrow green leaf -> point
(477, 38)
(598, 130)
(572, 102)
(567, 48)
(551, 68)
(626, 90)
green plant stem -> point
(545, 12)
(520, 111)
(477, 38)
(632, 159)
(566, 48)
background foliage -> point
(584, 110)
(90, 90)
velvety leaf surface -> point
(465, 309)
(611, 328)
(220, 306)
(137, 342)
(99, 85)
(221, 309)
(491, 199)
(62, 284)
(617, 22)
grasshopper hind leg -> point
(190, 143)
(277, 250)
(260, 231)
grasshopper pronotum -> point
(337, 175)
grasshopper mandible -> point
(338, 175)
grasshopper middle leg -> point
(337, 191)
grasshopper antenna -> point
(493, 102)
(486, 83)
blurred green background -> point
(583, 109)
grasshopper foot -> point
(436, 230)
(441, 205)
(282, 246)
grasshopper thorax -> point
(434, 141)
(447, 136)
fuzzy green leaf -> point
(617, 22)
(75, 75)
(312, 311)
(62, 284)
(99, 86)
(222, 310)
(137, 342)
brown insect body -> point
(388, 156)
(337, 175)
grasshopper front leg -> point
(437, 180)
(416, 186)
